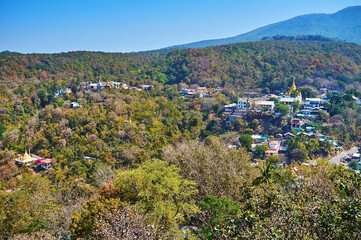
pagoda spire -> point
(293, 87)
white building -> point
(313, 102)
(289, 100)
(230, 107)
(242, 103)
(93, 86)
(273, 148)
(262, 105)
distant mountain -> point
(344, 25)
(7, 52)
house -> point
(273, 148)
(265, 105)
(107, 85)
(358, 100)
(230, 107)
(136, 89)
(315, 113)
(183, 91)
(269, 96)
(93, 86)
(201, 89)
(100, 85)
(296, 124)
(190, 94)
(313, 102)
(44, 164)
(304, 113)
(308, 129)
(356, 156)
(115, 85)
(283, 150)
(288, 135)
(290, 100)
(270, 152)
(274, 145)
(259, 138)
(217, 90)
(242, 104)
(83, 86)
(75, 105)
(88, 158)
(323, 90)
(145, 86)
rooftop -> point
(271, 151)
(265, 103)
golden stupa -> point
(293, 88)
(27, 157)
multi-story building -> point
(264, 105)
(242, 104)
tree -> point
(283, 109)
(236, 125)
(157, 189)
(266, 90)
(254, 125)
(325, 147)
(217, 170)
(154, 190)
(324, 116)
(259, 151)
(268, 167)
(308, 93)
(246, 141)
(354, 165)
(299, 155)
(217, 209)
(125, 224)
(248, 131)
(296, 105)
(74, 88)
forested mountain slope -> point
(244, 65)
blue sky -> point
(47, 26)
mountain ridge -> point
(344, 24)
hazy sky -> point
(133, 25)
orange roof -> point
(271, 151)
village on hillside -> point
(300, 115)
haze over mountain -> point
(344, 25)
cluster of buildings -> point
(33, 161)
(309, 108)
(300, 123)
(62, 92)
(275, 146)
(86, 86)
(199, 92)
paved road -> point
(337, 159)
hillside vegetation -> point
(152, 164)
(245, 65)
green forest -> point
(152, 164)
